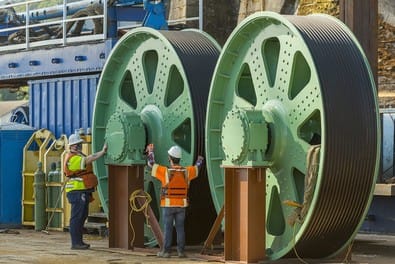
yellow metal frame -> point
(42, 138)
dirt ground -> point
(29, 246)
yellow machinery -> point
(33, 153)
(43, 147)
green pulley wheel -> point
(154, 89)
(281, 86)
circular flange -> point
(311, 82)
(234, 136)
(164, 78)
(116, 137)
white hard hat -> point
(175, 151)
(74, 139)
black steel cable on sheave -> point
(199, 55)
(351, 136)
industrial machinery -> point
(281, 86)
(154, 88)
(66, 29)
(59, 52)
(379, 218)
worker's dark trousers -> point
(79, 201)
(176, 216)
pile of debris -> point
(330, 7)
(386, 63)
(386, 54)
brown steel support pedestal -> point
(245, 211)
(122, 182)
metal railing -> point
(59, 22)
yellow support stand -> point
(33, 152)
(54, 153)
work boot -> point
(181, 255)
(79, 247)
(86, 244)
(162, 254)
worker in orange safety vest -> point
(175, 182)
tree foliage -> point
(14, 94)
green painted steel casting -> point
(154, 89)
(281, 86)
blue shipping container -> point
(13, 138)
(62, 105)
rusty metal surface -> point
(245, 214)
(123, 180)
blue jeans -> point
(79, 201)
(174, 215)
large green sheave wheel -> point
(154, 89)
(307, 79)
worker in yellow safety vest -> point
(175, 182)
(81, 182)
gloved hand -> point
(149, 148)
(199, 161)
(150, 154)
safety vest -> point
(81, 179)
(175, 183)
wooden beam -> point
(214, 230)
(153, 222)
(362, 18)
